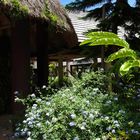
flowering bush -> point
(79, 112)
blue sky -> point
(63, 2)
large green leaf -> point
(124, 69)
(101, 34)
(104, 38)
(122, 53)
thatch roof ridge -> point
(49, 11)
(42, 9)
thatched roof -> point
(46, 10)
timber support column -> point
(20, 61)
(42, 54)
(60, 70)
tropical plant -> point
(107, 38)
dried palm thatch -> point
(46, 10)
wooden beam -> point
(20, 61)
(42, 54)
(60, 69)
(5, 27)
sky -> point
(64, 2)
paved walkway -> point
(6, 132)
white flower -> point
(34, 106)
(138, 95)
(82, 128)
(113, 131)
(30, 123)
(47, 122)
(84, 113)
(84, 123)
(95, 89)
(47, 114)
(54, 120)
(109, 128)
(76, 138)
(48, 103)
(33, 95)
(38, 100)
(28, 133)
(16, 99)
(87, 102)
(139, 123)
(73, 116)
(43, 87)
(115, 122)
(108, 102)
(29, 138)
(116, 98)
(91, 116)
(38, 124)
(24, 121)
(97, 139)
(117, 125)
(121, 111)
(16, 92)
(106, 118)
(72, 124)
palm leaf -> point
(122, 53)
(124, 69)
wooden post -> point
(60, 70)
(42, 54)
(20, 61)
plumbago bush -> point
(83, 111)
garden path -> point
(6, 132)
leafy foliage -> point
(107, 38)
(104, 38)
(81, 112)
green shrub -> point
(84, 111)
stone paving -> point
(6, 131)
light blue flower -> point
(109, 128)
(72, 124)
(76, 138)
